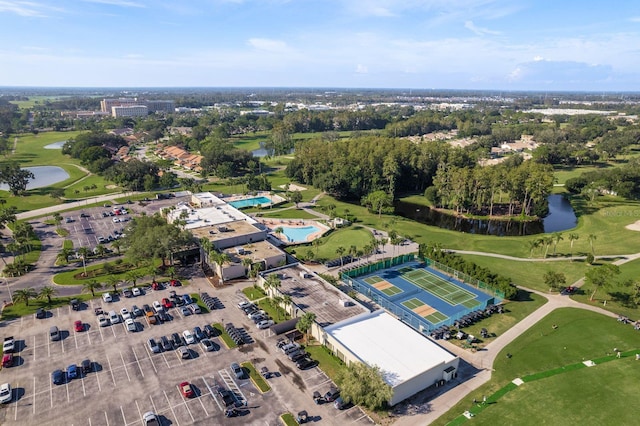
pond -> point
(43, 176)
(263, 152)
(55, 145)
(561, 217)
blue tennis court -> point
(421, 294)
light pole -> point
(9, 289)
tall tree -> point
(305, 323)
(24, 295)
(601, 276)
(572, 238)
(15, 177)
(557, 237)
(592, 238)
(364, 385)
(554, 280)
(91, 286)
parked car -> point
(167, 303)
(78, 326)
(265, 324)
(185, 311)
(297, 355)
(107, 298)
(184, 352)
(114, 317)
(195, 309)
(198, 333)
(237, 370)
(157, 306)
(41, 313)
(165, 343)
(54, 333)
(72, 371)
(131, 325)
(209, 331)
(127, 292)
(175, 283)
(136, 291)
(208, 345)
(57, 377)
(86, 366)
(176, 339)
(150, 419)
(137, 311)
(332, 394)
(147, 309)
(163, 316)
(305, 363)
(189, 338)
(245, 304)
(227, 396)
(187, 390)
(6, 393)
(7, 360)
(103, 321)
(153, 346)
(253, 314)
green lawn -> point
(228, 341)
(257, 379)
(288, 214)
(20, 309)
(583, 396)
(563, 173)
(344, 237)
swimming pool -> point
(299, 234)
(249, 202)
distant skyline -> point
(442, 44)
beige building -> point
(260, 252)
(129, 111)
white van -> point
(106, 297)
(114, 317)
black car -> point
(165, 343)
(305, 363)
(197, 331)
(41, 313)
(163, 316)
(57, 377)
(176, 340)
(296, 356)
(209, 331)
(127, 292)
(227, 396)
(332, 394)
(146, 308)
(86, 366)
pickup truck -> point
(8, 345)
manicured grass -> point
(580, 335)
(287, 419)
(562, 174)
(326, 361)
(276, 313)
(254, 292)
(498, 324)
(256, 378)
(96, 272)
(530, 274)
(249, 142)
(343, 237)
(228, 341)
(199, 302)
(20, 309)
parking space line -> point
(123, 417)
(137, 360)
(203, 407)
(89, 421)
(89, 336)
(95, 370)
(153, 364)
(83, 390)
(75, 337)
(111, 370)
(50, 392)
(138, 407)
(15, 417)
(48, 348)
(114, 331)
(154, 406)
(184, 401)
(106, 417)
(211, 392)
(33, 411)
(171, 408)
(125, 366)
(66, 385)
(100, 330)
(34, 349)
(165, 360)
(62, 341)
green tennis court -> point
(413, 303)
(391, 291)
(373, 279)
(439, 287)
(436, 317)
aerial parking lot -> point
(125, 378)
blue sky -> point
(457, 44)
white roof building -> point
(409, 361)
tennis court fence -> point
(465, 278)
(356, 271)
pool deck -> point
(274, 199)
(273, 224)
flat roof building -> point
(409, 361)
(129, 111)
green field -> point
(582, 396)
(345, 237)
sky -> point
(569, 45)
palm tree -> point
(246, 262)
(557, 237)
(100, 250)
(116, 245)
(572, 238)
(255, 271)
(547, 241)
(533, 244)
(57, 218)
(24, 294)
(171, 271)
(91, 287)
(47, 292)
(64, 255)
(133, 276)
(278, 231)
(83, 252)
(277, 301)
(340, 251)
(272, 282)
(591, 238)
(305, 323)
(113, 281)
(287, 301)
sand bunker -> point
(634, 226)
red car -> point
(167, 303)
(187, 390)
(78, 326)
(175, 283)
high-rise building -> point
(130, 111)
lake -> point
(561, 217)
(55, 145)
(43, 176)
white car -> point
(114, 317)
(150, 419)
(103, 321)
(136, 291)
(5, 393)
(188, 337)
(157, 306)
(244, 304)
(254, 314)
(131, 325)
(265, 324)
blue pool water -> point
(249, 202)
(299, 234)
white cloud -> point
(123, 3)
(362, 69)
(269, 45)
(479, 30)
(26, 8)
(538, 58)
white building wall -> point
(420, 382)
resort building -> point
(129, 111)
(409, 361)
(241, 258)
